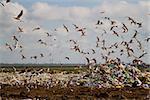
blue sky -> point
(52, 14)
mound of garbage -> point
(111, 74)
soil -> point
(73, 93)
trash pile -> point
(109, 75)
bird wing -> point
(20, 14)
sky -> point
(53, 14)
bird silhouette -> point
(93, 51)
(124, 28)
(20, 29)
(147, 39)
(142, 55)
(65, 28)
(94, 60)
(98, 40)
(139, 25)
(14, 38)
(19, 15)
(67, 58)
(8, 46)
(76, 27)
(7, 1)
(23, 57)
(37, 28)
(87, 59)
(114, 32)
(41, 54)
(2, 4)
(99, 22)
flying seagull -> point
(19, 16)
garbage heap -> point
(109, 75)
(116, 75)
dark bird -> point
(76, 27)
(140, 45)
(20, 29)
(44, 43)
(98, 40)
(125, 28)
(132, 20)
(135, 34)
(8, 46)
(41, 54)
(93, 51)
(139, 25)
(131, 41)
(82, 31)
(94, 60)
(14, 38)
(147, 39)
(87, 59)
(113, 22)
(99, 22)
(103, 43)
(7, 1)
(143, 55)
(97, 45)
(37, 28)
(73, 41)
(35, 57)
(2, 4)
(65, 28)
(114, 32)
(23, 57)
(48, 34)
(39, 40)
(67, 58)
(19, 16)
(113, 27)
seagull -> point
(76, 27)
(2, 4)
(35, 57)
(125, 28)
(37, 28)
(23, 57)
(135, 34)
(98, 40)
(8, 46)
(88, 61)
(20, 29)
(147, 39)
(114, 32)
(143, 55)
(14, 38)
(113, 27)
(94, 60)
(65, 28)
(19, 16)
(139, 25)
(67, 58)
(7, 1)
(113, 22)
(99, 22)
(48, 34)
(41, 55)
(73, 41)
(93, 51)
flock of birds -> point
(124, 47)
